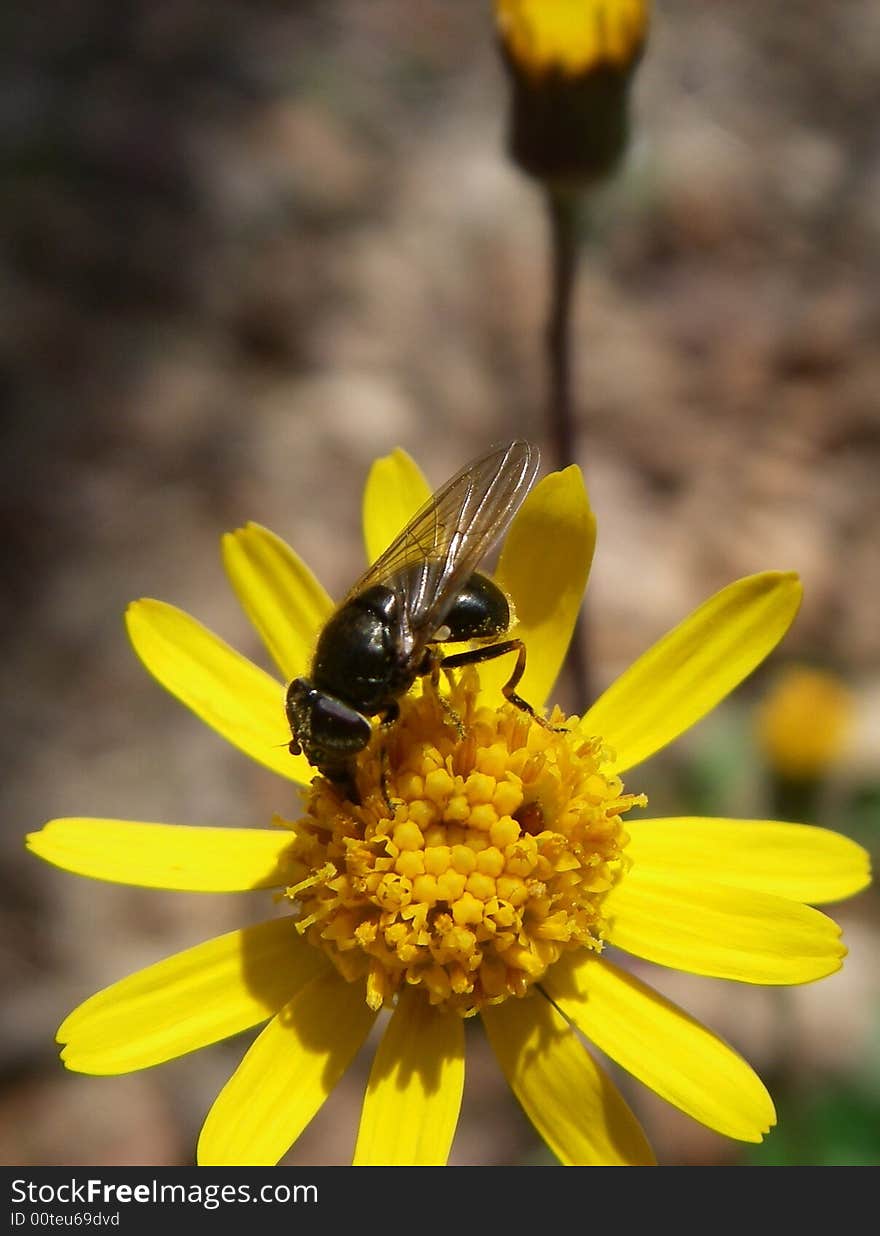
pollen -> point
(482, 850)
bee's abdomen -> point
(480, 611)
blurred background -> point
(248, 248)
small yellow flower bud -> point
(803, 722)
(570, 63)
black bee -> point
(422, 592)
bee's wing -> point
(442, 545)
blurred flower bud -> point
(803, 722)
(570, 64)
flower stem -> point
(563, 207)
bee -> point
(423, 592)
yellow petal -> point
(723, 932)
(791, 860)
(695, 665)
(174, 856)
(278, 593)
(543, 568)
(229, 693)
(414, 1093)
(662, 1046)
(286, 1075)
(396, 488)
(186, 1001)
(571, 1102)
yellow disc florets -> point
(483, 848)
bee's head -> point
(328, 732)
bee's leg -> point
(452, 716)
(434, 663)
(475, 655)
(390, 715)
(390, 803)
(342, 776)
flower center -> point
(483, 848)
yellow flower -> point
(570, 64)
(803, 722)
(484, 872)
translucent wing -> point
(442, 545)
